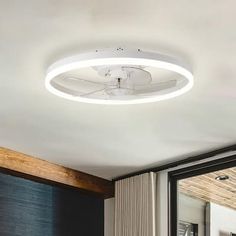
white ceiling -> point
(113, 140)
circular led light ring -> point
(114, 57)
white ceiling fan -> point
(122, 77)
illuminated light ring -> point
(118, 57)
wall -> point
(192, 211)
(109, 222)
(34, 209)
(222, 220)
(162, 203)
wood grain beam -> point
(37, 169)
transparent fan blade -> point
(155, 87)
(93, 92)
(137, 76)
(67, 90)
(77, 85)
(71, 77)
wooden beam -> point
(27, 167)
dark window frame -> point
(183, 173)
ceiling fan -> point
(122, 77)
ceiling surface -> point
(207, 188)
(107, 140)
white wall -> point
(162, 203)
(222, 220)
(109, 217)
(193, 211)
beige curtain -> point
(135, 206)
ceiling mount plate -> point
(121, 77)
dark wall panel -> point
(29, 208)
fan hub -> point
(135, 74)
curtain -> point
(135, 206)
